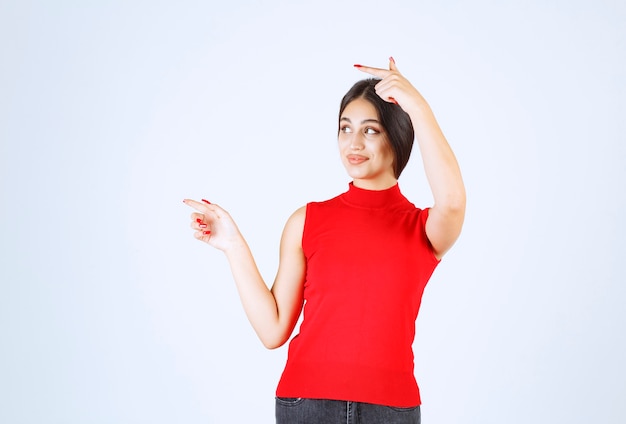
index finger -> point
(377, 72)
(201, 207)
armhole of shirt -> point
(422, 228)
(307, 216)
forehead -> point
(361, 109)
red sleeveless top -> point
(368, 261)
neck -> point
(373, 199)
(377, 184)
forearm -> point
(258, 301)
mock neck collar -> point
(364, 198)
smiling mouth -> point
(356, 159)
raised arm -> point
(445, 218)
(272, 313)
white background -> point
(112, 112)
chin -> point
(357, 176)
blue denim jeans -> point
(319, 411)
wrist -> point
(418, 108)
(235, 247)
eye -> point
(345, 129)
(370, 130)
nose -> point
(356, 142)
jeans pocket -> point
(404, 409)
(286, 401)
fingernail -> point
(199, 221)
(206, 201)
(358, 66)
(393, 100)
(202, 225)
(392, 59)
(206, 233)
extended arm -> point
(272, 313)
(445, 218)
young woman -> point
(360, 261)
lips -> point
(356, 159)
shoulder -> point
(299, 214)
(331, 203)
(295, 224)
(299, 217)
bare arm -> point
(446, 216)
(272, 313)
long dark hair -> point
(393, 119)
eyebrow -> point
(365, 121)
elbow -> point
(454, 204)
(272, 343)
(272, 346)
(457, 207)
(275, 334)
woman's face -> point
(364, 148)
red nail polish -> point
(393, 100)
(206, 233)
(358, 66)
(206, 201)
(199, 221)
(203, 225)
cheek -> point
(388, 156)
(383, 150)
(343, 141)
